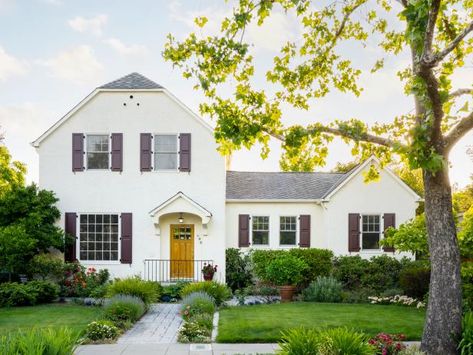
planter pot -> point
(208, 277)
(287, 292)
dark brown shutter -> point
(126, 238)
(71, 236)
(354, 232)
(145, 151)
(243, 230)
(185, 152)
(117, 151)
(77, 152)
(389, 221)
(304, 231)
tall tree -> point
(436, 33)
(12, 173)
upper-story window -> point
(98, 151)
(166, 152)
(287, 230)
(370, 232)
(260, 230)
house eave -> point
(318, 201)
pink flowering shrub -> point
(388, 344)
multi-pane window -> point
(287, 230)
(370, 232)
(165, 152)
(98, 235)
(98, 151)
(260, 228)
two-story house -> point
(143, 191)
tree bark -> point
(444, 309)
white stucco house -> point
(144, 191)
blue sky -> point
(54, 52)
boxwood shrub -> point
(28, 294)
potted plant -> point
(286, 271)
(208, 271)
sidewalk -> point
(177, 349)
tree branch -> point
(461, 92)
(457, 132)
(429, 33)
(437, 57)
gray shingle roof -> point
(132, 81)
(242, 185)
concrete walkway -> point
(177, 349)
(158, 326)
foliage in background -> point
(123, 310)
(410, 236)
(463, 199)
(323, 289)
(414, 280)
(467, 284)
(46, 266)
(12, 173)
(39, 342)
(172, 292)
(219, 292)
(197, 303)
(465, 234)
(148, 291)
(28, 218)
(237, 269)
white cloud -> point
(123, 49)
(54, 2)
(92, 25)
(11, 66)
(78, 65)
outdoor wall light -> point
(181, 219)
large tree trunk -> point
(444, 310)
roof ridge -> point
(287, 172)
(132, 81)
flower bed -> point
(397, 299)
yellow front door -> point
(182, 251)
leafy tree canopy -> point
(12, 173)
(463, 199)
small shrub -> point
(349, 270)
(324, 289)
(337, 341)
(204, 320)
(39, 341)
(172, 293)
(318, 261)
(148, 291)
(467, 285)
(299, 341)
(466, 342)
(192, 332)
(124, 309)
(357, 296)
(46, 266)
(16, 294)
(388, 344)
(101, 330)
(197, 303)
(381, 273)
(219, 292)
(391, 292)
(286, 269)
(415, 280)
(45, 291)
(237, 269)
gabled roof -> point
(295, 186)
(133, 81)
(280, 185)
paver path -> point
(159, 326)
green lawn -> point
(72, 316)
(264, 323)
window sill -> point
(100, 262)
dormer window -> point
(98, 151)
(166, 152)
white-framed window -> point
(98, 151)
(166, 152)
(98, 237)
(370, 232)
(287, 230)
(260, 230)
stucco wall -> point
(378, 197)
(131, 190)
(274, 210)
